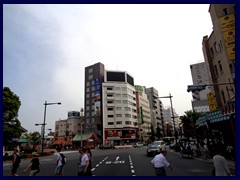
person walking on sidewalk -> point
(34, 166)
(220, 164)
(159, 162)
(16, 160)
(59, 164)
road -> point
(119, 162)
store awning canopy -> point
(22, 140)
(212, 117)
(85, 136)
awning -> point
(22, 140)
(212, 117)
(85, 137)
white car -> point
(137, 144)
(161, 144)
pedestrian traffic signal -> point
(196, 88)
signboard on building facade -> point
(228, 30)
(212, 102)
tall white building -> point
(120, 124)
(200, 76)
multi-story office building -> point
(200, 76)
(155, 109)
(219, 51)
(219, 55)
(94, 77)
(143, 111)
(66, 129)
(120, 125)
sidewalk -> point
(231, 164)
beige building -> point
(66, 129)
(219, 51)
(143, 111)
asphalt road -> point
(119, 162)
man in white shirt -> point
(220, 164)
(159, 162)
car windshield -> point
(152, 146)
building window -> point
(216, 71)
(127, 109)
(110, 116)
(212, 53)
(220, 66)
(87, 95)
(223, 97)
(90, 77)
(87, 89)
(118, 115)
(88, 83)
(128, 122)
(127, 115)
(119, 122)
(110, 123)
(225, 10)
(110, 109)
(125, 101)
(118, 108)
(124, 89)
(118, 101)
(117, 88)
(87, 108)
(90, 70)
(118, 95)
(93, 120)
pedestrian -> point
(230, 152)
(33, 166)
(83, 166)
(159, 162)
(79, 160)
(16, 160)
(220, 164)
(89, 153)
(59, 164)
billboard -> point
(211, 102)
(228, 30)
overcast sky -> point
(47, 47)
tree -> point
(12, 126)
(189, 120)
(33, 138)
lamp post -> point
(44, 120)
(82, 125)
(170, 97)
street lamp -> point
(81, 125)
(170, 97)
(44, 120)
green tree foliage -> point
(11, 105)
(189, 120)
(33, 138)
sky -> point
(46, 48)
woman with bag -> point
(83, 165)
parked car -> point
(161, 144)
(153, 149)
(137, 144)
(106, 146)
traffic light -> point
(196, 88)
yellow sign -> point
(227, 22)
(211, 102)
(229, 38)
(231, 53)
